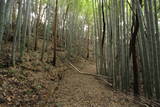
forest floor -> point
(79, 90)
(34, 83)
(62, 86)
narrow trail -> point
(78, 90)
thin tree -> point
(55, 33)
(2, 15)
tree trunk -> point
(18, 27)
(55, 33)
(88, 43)
(2, 15)
(134, 34)
(24, 29)
(37, 26)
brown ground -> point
(79, 90)
(59, 86)
(38, 84)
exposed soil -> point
(34, 83)
(60, 86)
(79, 90)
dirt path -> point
(78, 90)
(59, 86)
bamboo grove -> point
(130, 55)
(123, 33)
(59, 22)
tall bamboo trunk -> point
(55, 33)
(37, 26)
(17, 31)
(2, 15)
(133, 51)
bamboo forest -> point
(79, 53)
